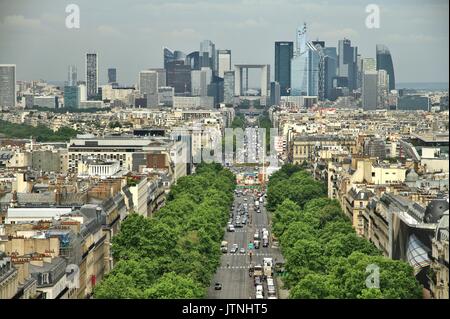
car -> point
(242, 250)
(257, 280)
(217, 286)
(256, 244)
(234, 248)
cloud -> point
(107, 30)
(340, 33)
(19, 21)
(184, 33)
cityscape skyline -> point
(42, 25)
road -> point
(235, 279)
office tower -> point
(216, 89)
(165, 95)
(193, 60)
(383, 89)
(284, 51)
(161, 76)
(71, 97)
(384, 62)
(72, 75)
(208, 55)
(347, 62)
(305, 66)
(223, 62)
(7, 86)
(359, 71)
(112, 75)
(369, 90)
(91, 75)
(368, 64)
(200, 79)
(413, 102)
(148, 87)
(83, 91)
(168, 56)
(318, 62)
(330, 62)
(275, 93)
(179, 77)
(228, 87)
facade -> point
(305, 66)
(72, 76)
(413, 102)
(228, 87)
(368, 64)
(216, 89)
(179, 77)
(284, 51)
(384, 62)
(162, 76)
(193, 60)
(50, 101)
(208, 55)
(275, 94)
(200, 80)
(71, 97)
(369, 90)
(165, 95)
(7, 86)
(223, 62)
(193, 102)
(330, 65)
(148, 87)
(347, 62)
(112, 75)
(91, 75)
(383, 89)
(8, 277)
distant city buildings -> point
(112, 76)
(72, 75)
(384, 62)
(148, 87)
(284, 52)
(92, 75)
(7, 86)
(223, 62)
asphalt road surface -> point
(233, 272)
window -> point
(373, 174)
(45, 279)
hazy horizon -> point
(129, 35)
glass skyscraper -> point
(305, 67)
(284, 51)
(228, 87)
(347, 62)
(384, 62)
(7, 86)
(71, 97)
(330, 65)
(72, 75)
(91, 75)
(112, 75)
(208, 55)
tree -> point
(313, 286)
(117, 285)
(173, 286)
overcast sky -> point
(129, 35)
